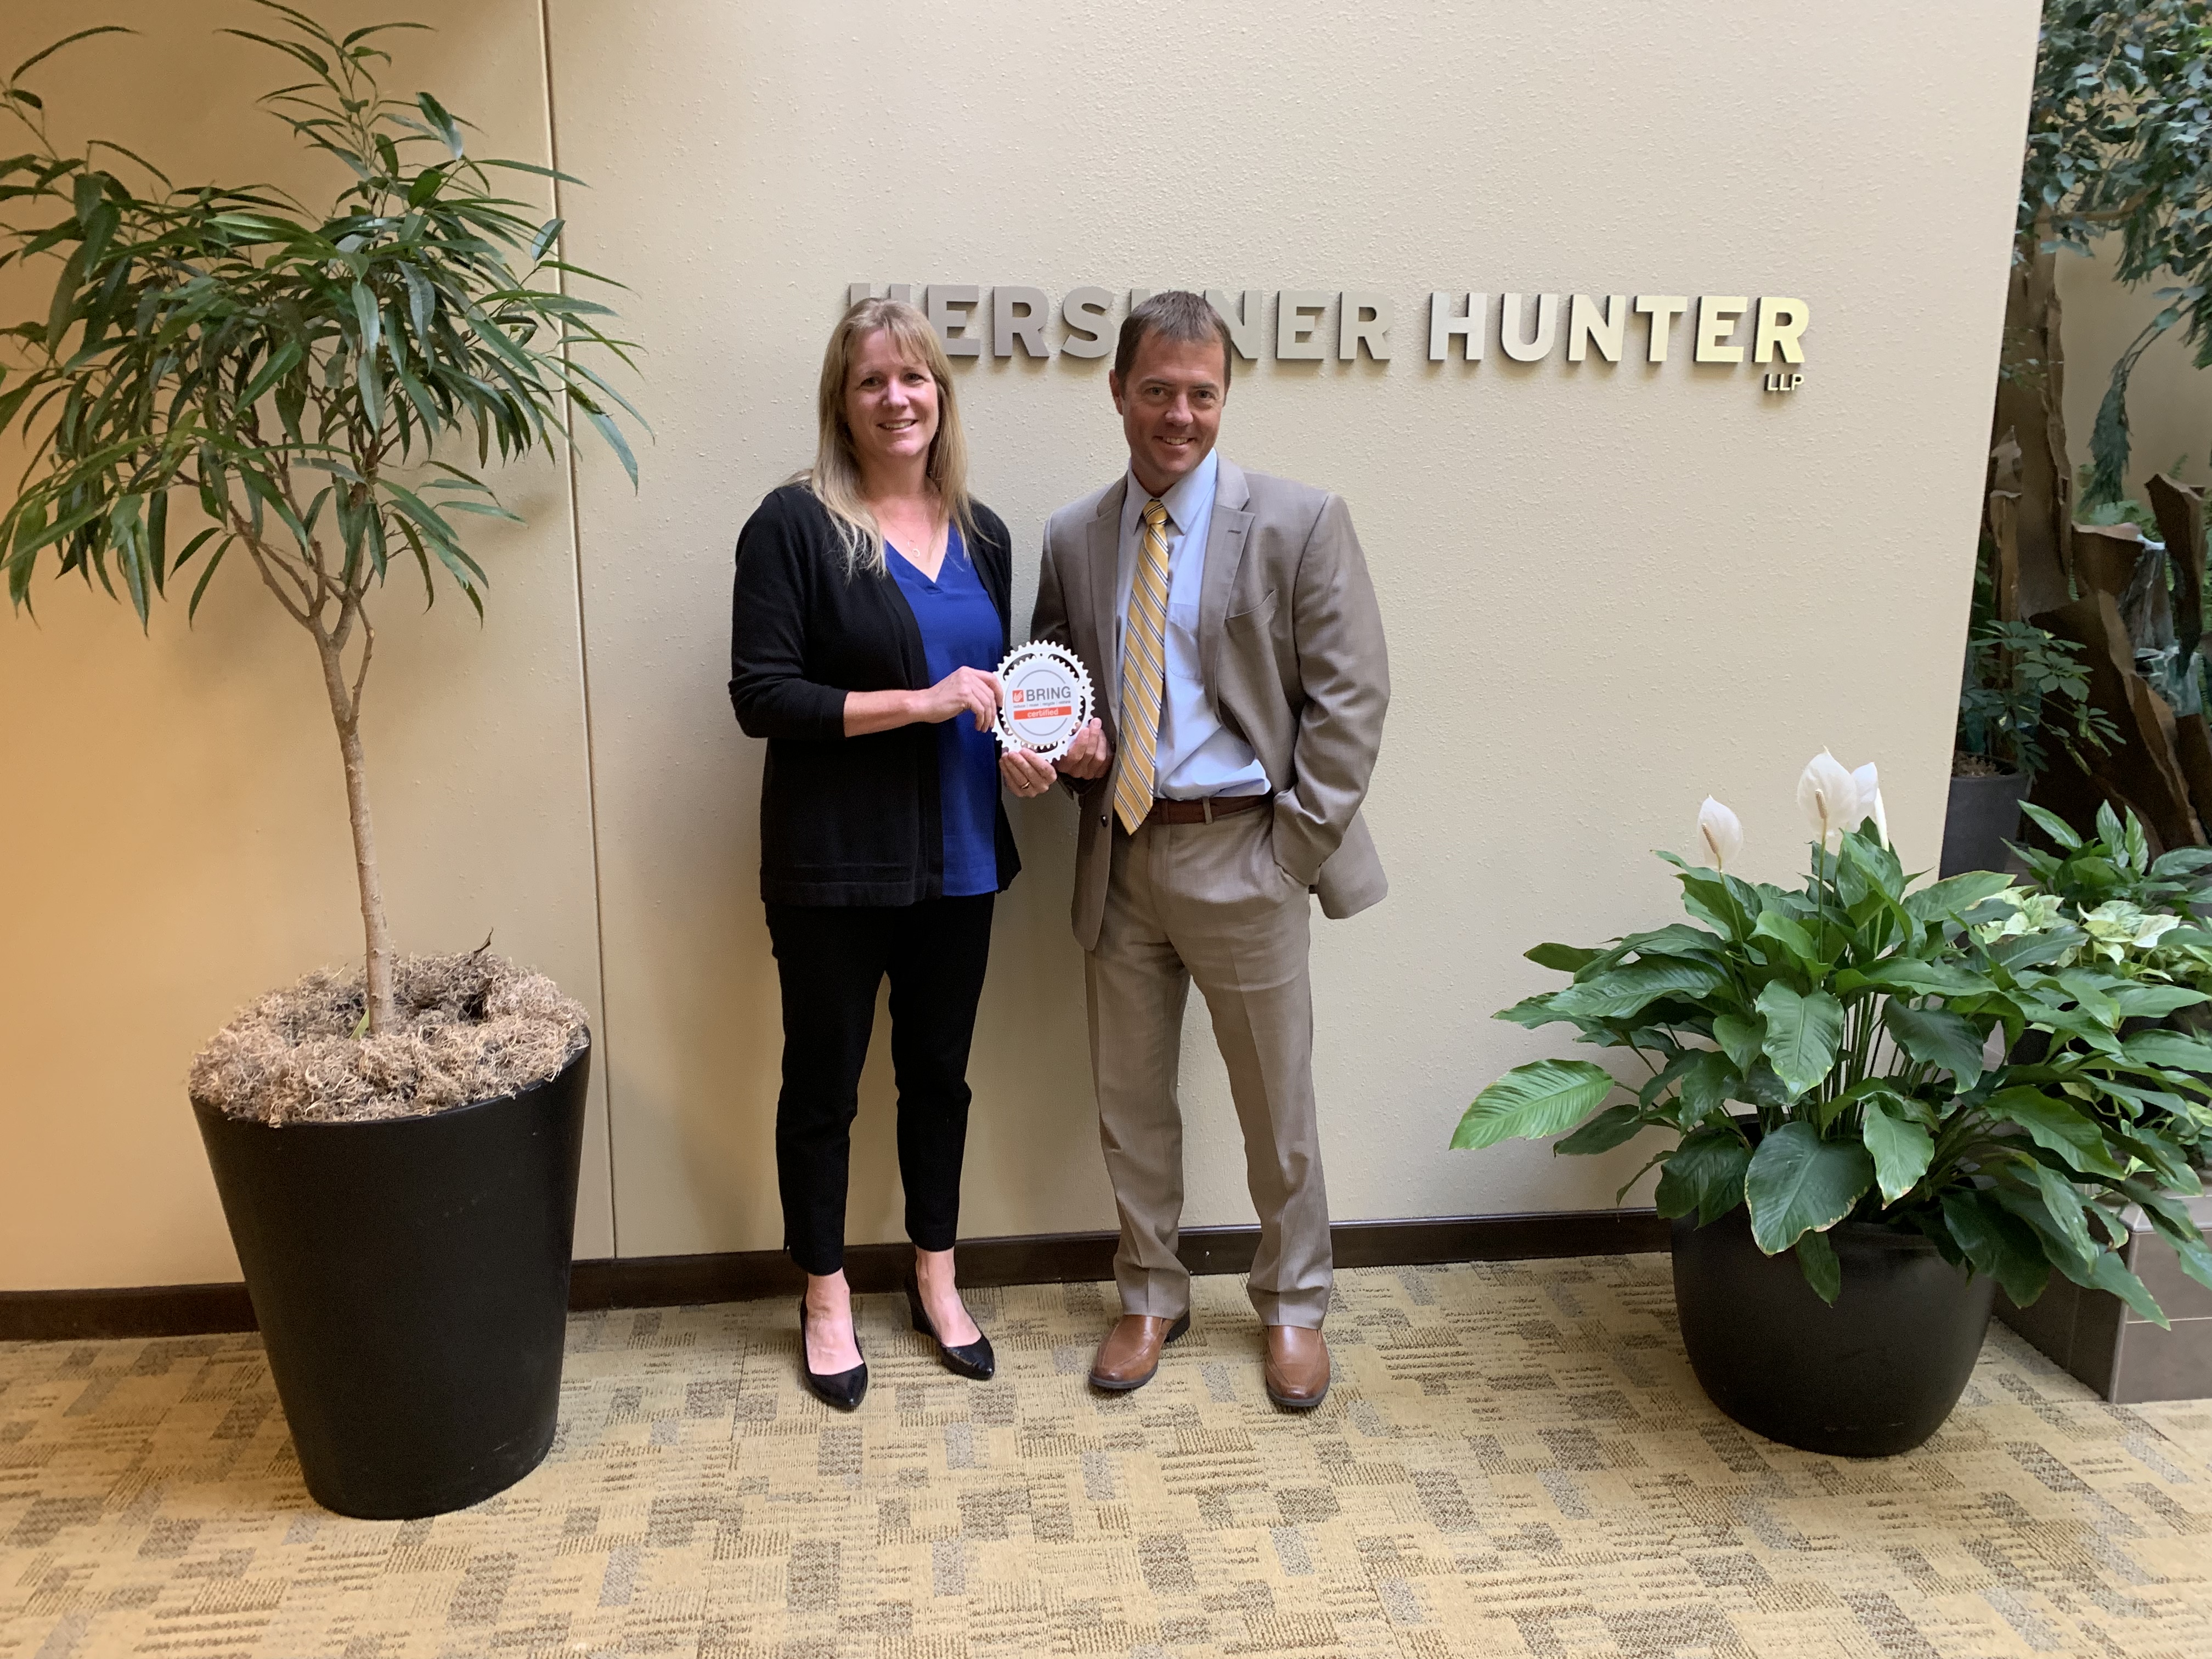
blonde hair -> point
(835, 478)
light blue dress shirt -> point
(1198, 756)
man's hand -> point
(1026, 773)
(1089, 755)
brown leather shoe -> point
(1298, 1367)
(1131, 1353)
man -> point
(1239, 659)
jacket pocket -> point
(1255, 618)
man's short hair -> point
(1178, 314)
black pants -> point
(829, 959)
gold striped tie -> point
(1144, 672)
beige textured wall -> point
(1610, 589)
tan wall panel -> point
(1609, 589)
(172, 809)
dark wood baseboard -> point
(146, 1310)
(665, 1281)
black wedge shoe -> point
(975, 1361)
(844, 1390)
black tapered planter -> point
(1984, 815)
(410, 1278)
(1871, 1376)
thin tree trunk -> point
(345, 710)
(2031, 407)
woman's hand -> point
(976, 689)
(1025, 772)
(970, 688)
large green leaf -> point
(1901, 1150)
(1935, 1037)
(1704, 1085)
(1627, 991)
(1954, 894)
(1998, 1244)
(2169, 1051)
(1914, 977)
(1609, 1129)
(1704, 1174)
(1530, 1102)
(2056, 1126)
(1792, 936)
(1741, 1038)
(2141, 1002)
(1566, 958)
(1816, 1258)
(1798, 1182)
(1801, 1034)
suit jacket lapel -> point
(1104, 543)
(1224, 552)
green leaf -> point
(441, 122)
(1901, 1150)
(615, 441)
(1790, 936)
(1532, 1011)
(2052, 1206)
(1543, 1097)
(1935, 1037)
(2141, 1002)
(1954, 894)
(1917, 978)
(1704, 1174)
(1566, 958)
(2060, 831)
(2108, 1273)
(41, 57)
(2168, 1051)
(1706, 1081)
(1611, 1128)
(1998, 1244)
(1741, 1038)
(1798, 1182)
(2057, 1126)
(1801, 1034)
(1817, 1257)
(1625, 991)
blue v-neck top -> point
(960, 629)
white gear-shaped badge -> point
(1045, 701)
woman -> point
(869, 615)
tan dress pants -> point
(1206, 901)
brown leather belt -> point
(1202, 811)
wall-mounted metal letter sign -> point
(1311, 324)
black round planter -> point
(1871, 1376)
(410, 1277)
(1984, 815)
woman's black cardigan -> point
(843, 820)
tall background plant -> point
(303, 380)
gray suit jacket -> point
(1291, 645)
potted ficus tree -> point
(395, 1147)
(1852, 1164)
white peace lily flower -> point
(1870, 787)
(1719, 833)
(1829, 797)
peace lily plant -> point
(1862, 1050)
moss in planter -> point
(472, 1027)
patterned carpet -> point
(1515, 1461)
